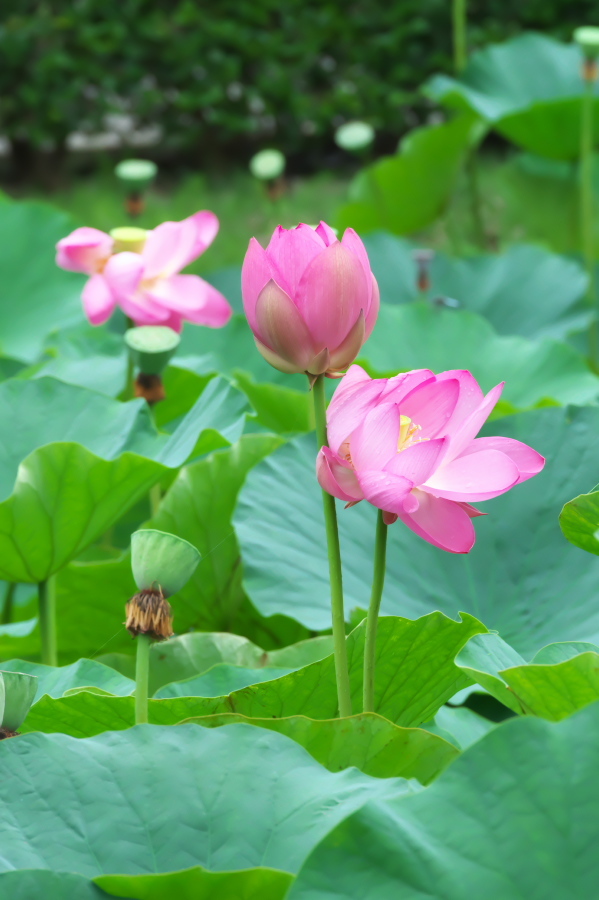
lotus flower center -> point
(407, 433)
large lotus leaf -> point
(513, 816)
(219, 680)
(418, 335)
(579, 520)
(33, 883)
(67, 494)
(38, 297)
(55, 680)
(367, 741)
(415, 675)
(525, 290)
(406, 192)
(529, 88)
(551, 690)
(178, 795)
(191, 655)
(522, 578)
(460, 725)
(94, 358)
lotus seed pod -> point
(162, 560)
(136, 174)
(19, 694)
(151, 347)
(354, 136)
(267, 165)
(587, 39)
(128, 237)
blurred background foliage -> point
(221, 80)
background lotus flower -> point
(310, 299)
(408, 445)
(147, 285)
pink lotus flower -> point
(408, 445)
(147, 285)
(311, 300)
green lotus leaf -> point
(560, 680)
(367, 741)
(65, 495)
(513, 816)
(438, 339)
(196, 777)
(406, 192)
(524, 290)
(528, 88)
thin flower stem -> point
(335, 571)
(372, 620)
(460, 52)
(142, 678)
(47, 619)
(7, 607)
(586, 208)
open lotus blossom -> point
(147, 285)
(408, 445)
(310, 299)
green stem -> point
(334, 552)
(129, 391)
(476, 210)
(155, 498)
(8, 603)
(586, 208)
(47, 617)
(372, 620)
(142, 677)
(460, 53)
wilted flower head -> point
(147, 284)
(408, 445)
(310, 299)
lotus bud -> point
(162, 564)
(136, 175)
(310, 299)
(151, 347)
(17, 693)
(587, 39)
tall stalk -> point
(586, 200)
(372, 620)
(334, 553)
(7, 607)
(47, 620)
(460, 51)
(142, 677)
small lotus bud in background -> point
(17, 693)
(355, 137)
(423, 258)
(128, 237)
(268, 166)
(136, 175)
(151, 347)
(587, 39)
(162, 564)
